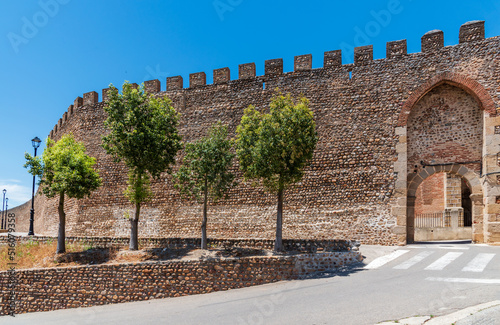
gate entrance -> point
(444, 162)
(446, 126)
(443, 208)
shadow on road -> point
(444, 242)
(344, 271)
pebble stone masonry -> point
(83, 286)
(384, 126)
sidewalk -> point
(483, 314)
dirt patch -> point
(40, 255)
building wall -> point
(431, 195)
(356, 185)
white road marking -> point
(378, 262)
(440, 247)
(453, 247)
(478, 263)
(414, 260)
(465, 280)
(443, 262)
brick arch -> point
(472, 87)
(476, 196)
(470, 176)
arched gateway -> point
(441, 129)
(476, 196)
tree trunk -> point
(204, 222)
(61, 239)
(134, 223)
(278, 244)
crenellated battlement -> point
(431, 43)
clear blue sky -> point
(55, 50)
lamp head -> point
(36, 142)
(4, 191)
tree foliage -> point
(275, 147)
(205, 170)
(64, 169)
(143, 135)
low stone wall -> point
(297, 245)
(442, 233)
(83, 286)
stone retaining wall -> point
(297, 245)
(83, 286)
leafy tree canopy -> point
(143, 134)
(65, 168)
(206, 166)
(275, 147)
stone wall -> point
(358, 182)
(453, 191)
(290, 245)
(84, 286)
(446, 126)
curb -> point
(461, 314)
(446, 319)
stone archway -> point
(408, 177)
(476, 196)
(469, 85)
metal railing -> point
(441, 219)
(432, 220)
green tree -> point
(143, 134)
(205, 171)
(275, 147)
(65, 170)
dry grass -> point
(37, 255)
(40, 255)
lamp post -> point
(3, 206)
(6, 208)
(35, 142)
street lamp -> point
(6, 208)
(36, 143)
(3, 206)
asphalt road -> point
(430, 279)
